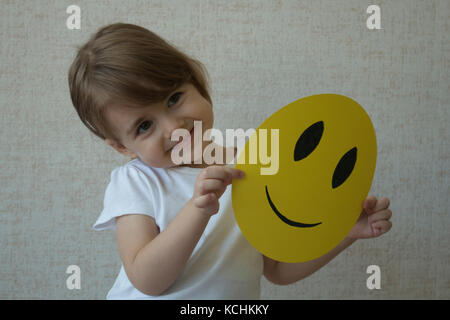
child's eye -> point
(174, 98)
(144, 126)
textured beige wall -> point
(261, 55)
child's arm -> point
(153, 260)
(286, 273)
(373, 222)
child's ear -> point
(120, 148)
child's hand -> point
(374, 219)
(211, 183)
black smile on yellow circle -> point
(286, 220)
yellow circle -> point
(326, 162)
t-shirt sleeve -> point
(128, 192)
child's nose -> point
(170, 124)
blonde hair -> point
(125, 64)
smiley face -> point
(327, 156)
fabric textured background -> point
(261, 55)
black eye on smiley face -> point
(306, 144)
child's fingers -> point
(215, 172)
(372, 205)
(211, 185)
(226, 174)
(380, 215)
(381, 227)
(235, 173)
(369, 204)
(382, 204)
(205, 200)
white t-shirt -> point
(223, 265)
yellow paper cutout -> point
(312, 202)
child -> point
(176, 233)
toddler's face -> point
(145, 133)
